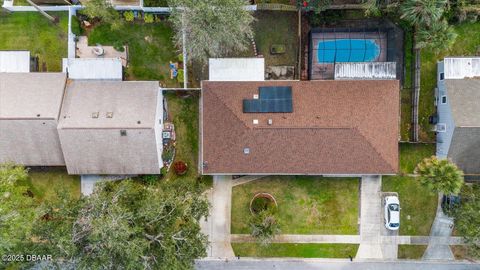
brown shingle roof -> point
(337, 127)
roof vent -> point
(123, 132)
(255, 96)
(246, 150)
(255, 121)
(95, 114)
(109, 114)
(270, 122)
(38, 115)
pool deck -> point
(326, 71)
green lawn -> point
(150, 49)
(412, 252)
(411, 154)
(466, 45)
(31, 31)
(295, 250)
(44, 183)
(418, 204)
(306, 205)
(277, 27)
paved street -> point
(328, 264)
(217, 226)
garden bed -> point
(306, 205)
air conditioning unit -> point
(441, 128)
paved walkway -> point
(441, 228)
(217, 226)
(353, 239)
(370, 218)
(329, 264)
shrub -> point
(148, 18)
(118, 45)
(264, 227)
(129, 16)
(150, 179)
(180, 167)
(180, 76)
(164, 171)
(180, 57)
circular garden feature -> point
(262, 202)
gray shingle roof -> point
(31, 95)
(464, 97)
(130, 104)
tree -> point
(316, 6)
(212, 28)
(422, 13)
(104, 11)
(440, 175)
(264, 226)
(467, 218)
(17, 209)
(128, 225)
(438, 36)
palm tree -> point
(440, 175)
(422, 12)
(439, 36)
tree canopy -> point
(127, 225)
(440, 175)
(422, 13)
(213, 28)
(17, 211)
(439, 36)
(104, 11)
(467, 218)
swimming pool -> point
(347, 50)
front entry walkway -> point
(217, 226)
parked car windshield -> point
(394, 225)
(393, 207)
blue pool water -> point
(347, 50)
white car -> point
(392, 213)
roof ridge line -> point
(228, 108)
(374, 148)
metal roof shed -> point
(93, 68)
(15, 61)
(236, 69)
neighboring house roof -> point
(366, 71)
(15, 61)
(464, 96)
(236, 69)
(132, 104)
(31, 95)
(337, 127)
(111, 127)
(30, 105)
(93, 68)
(461, 67)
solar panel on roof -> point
(272, 99)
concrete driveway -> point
(217, 225)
